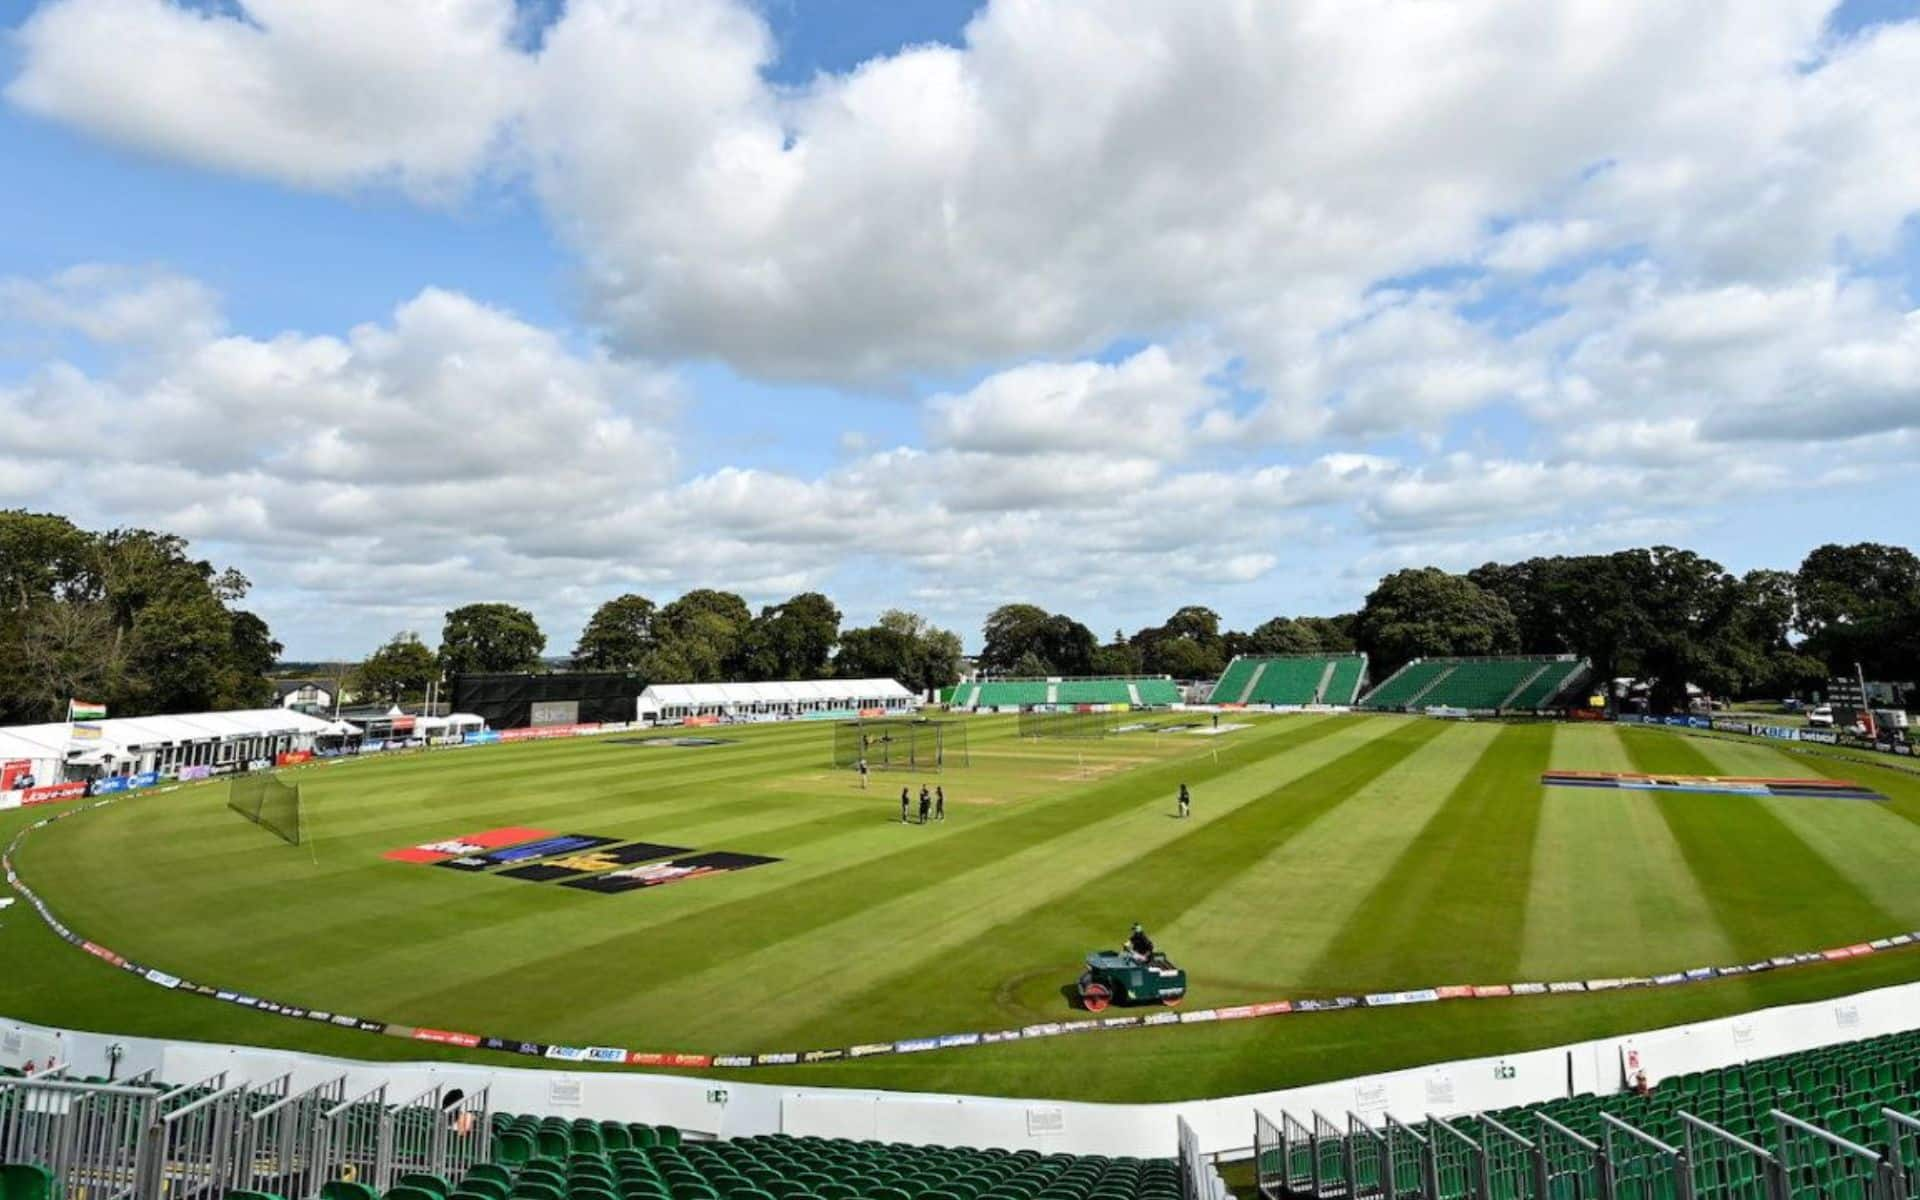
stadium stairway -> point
(1523, 685)
(1414, 700)
(1326, 678)
(1253, 682)
(1133, 694)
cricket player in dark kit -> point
(903, 806)
(926, 802)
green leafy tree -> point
(618, 637)
(1011, 631)
(1117, 657)
(126, 617)
(900, 646)
(1861, 604)
(399, 670)
(1424, 612)
(491, 637)
(794, 640)
(698, 638)
(1281, 635)
(1188, 646)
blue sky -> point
(1098, 305)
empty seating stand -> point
(1838, 1123)
(553, 1159)
(1477, 684)
(1156, 691)
(1289, 680)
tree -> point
(698, 638)
(794, 640)
(126, 617)
(1861, 604)
(1526, 588)
(1187, 646)
(1032, 666)
(1685, 605)
(490, 637)
(618, 636)
(1117, 657)
(1424, 612)
(900, 646)
(400, 669)
(1011, 631)
(1281, 635)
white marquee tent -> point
(130, 745)
(678, 701)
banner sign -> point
(16, 775)
(292, 758)
(53, 793)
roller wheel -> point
(1095, 997)
(1173, 1001)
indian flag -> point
(85, 710)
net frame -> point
(268, 803)
(901, 744)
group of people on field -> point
(934, 802)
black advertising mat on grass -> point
(697, 866)
(566, 843)
(592, 861)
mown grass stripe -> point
(768, 910)
(1454, 902)
(1870, 840)
(1156, 887)
(1336, 861)
(1769, 890)
(908, 935)
(1608, 879)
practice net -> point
(268, 803)
(901, 745)
(1066, 724)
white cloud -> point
(1077, 171)
(334, 95)
(1151, 403)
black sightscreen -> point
(509, 701)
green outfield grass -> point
(1326, 855)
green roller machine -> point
(1117, 977)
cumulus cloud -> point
(1391, 269)
(331, 96)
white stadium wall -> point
(729, 1106)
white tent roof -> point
(705, 695)
(118, 733)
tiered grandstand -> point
(1481, 684)
(1291, 679)
(1838, 1123)
(243, 1142)
(1136, 691)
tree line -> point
(704, 636)
(130, 618)
(127, 618)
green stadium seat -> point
(27, 1181)
(425, 1182)
(347, 1189)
